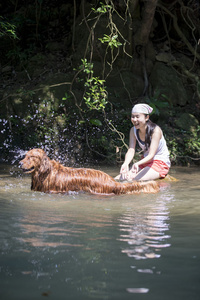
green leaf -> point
(96, 122)
(81, 122)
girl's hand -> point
(124, 170)
(132, 173)
(135, 168)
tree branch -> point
(179, 31)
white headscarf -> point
(142, 108)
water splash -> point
(18, 154)
(57, 131)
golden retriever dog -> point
(50, 176)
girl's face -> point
(139, 120)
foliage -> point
(158, 102)
(7, 29)
(184, 147)
(96, 94)
(18, 55)
(173, 147)
(192, 143)
(112, 41)
(102, 8)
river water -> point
(81, 246)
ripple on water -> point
(137, 290)
(145, 231)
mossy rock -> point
(187, 122)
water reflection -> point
(52, 222)
(145, 231)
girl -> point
(155, 162)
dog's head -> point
(35, 160)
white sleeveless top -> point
(162, 152)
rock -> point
(125, 86)
(54, 46)
(7, 69)
(187, 122)
(165, 57)
(165, 80)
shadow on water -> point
(80, 246)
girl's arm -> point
(130, 153)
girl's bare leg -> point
(147, 174)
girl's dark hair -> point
(149, 131)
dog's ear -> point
(45, 165)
